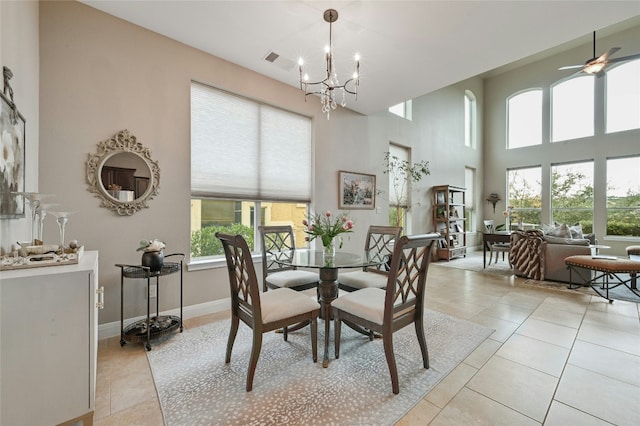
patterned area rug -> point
(473, 262)
(196, 387)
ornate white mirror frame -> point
(120, 143)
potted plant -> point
(402, 175)
(153, 256)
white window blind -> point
(241, 149)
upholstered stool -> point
(604, 269)
(633, 250)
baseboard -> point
(112, 329)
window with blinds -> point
(250, 166)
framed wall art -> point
(356, 190)
(12, 159)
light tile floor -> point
(555, 358)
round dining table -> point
(328, 267)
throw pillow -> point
(591, 237)
(576, 231)
(559, 231)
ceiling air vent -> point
(272, 56)
(279, 61)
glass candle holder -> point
(42, 213)
(62, 218)
(34, 199)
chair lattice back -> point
(489, 226)
(408, 275)
(242, 276)
(380, 239)
(277, 243)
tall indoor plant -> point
(402, 175)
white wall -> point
(19, 52)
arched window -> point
(623, 97)
(524, 119)
(572, 114)
(470, 119)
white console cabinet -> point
(48, 343)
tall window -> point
(524, 193)
(399, 190)
(623, 97)
(403, 109)
(469, 198)
(572, 194)
(470, 119)
(524, 119)
(572, 103)
(250, 165)
(623, 196)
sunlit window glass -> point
(623, 97)
(524, 113)
(572, 114)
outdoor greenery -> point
(205, 243)
(572, 195)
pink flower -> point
(304, 222)
(327, 213)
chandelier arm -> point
(330, 85)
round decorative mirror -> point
(122, 174)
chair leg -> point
(337, 325)
(235, 322)
(314, 338)
(423, 342)
(387, 341)
(285, 333)
(253, 361)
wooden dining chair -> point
(386, 311)
(495, 247)
(380, 239)
(278, 243)
(262, 312)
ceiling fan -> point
(597, 64)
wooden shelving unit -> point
(449, 220)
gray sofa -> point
(554, 251)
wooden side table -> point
(149, 328)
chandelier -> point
(329, 86)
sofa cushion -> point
(550, 239)
(557, 231)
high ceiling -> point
(407, 48)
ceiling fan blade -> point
(605, 56)
(625, 58)
(570, 67)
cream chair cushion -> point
(284, 303)
(367, 303)
(291, 278)
(363, 279)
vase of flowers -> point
(153, 256)
(329, 229)
(507, 218)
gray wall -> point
(542, 74)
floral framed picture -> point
(12, 160)
(356, 190)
